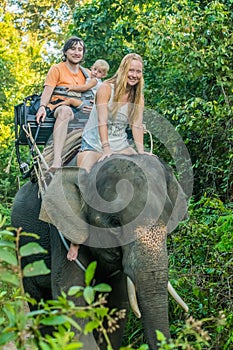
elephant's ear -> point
(62, 205)
(178, 202)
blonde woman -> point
(119, 102)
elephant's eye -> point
(114, 222)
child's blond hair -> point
(103, 65)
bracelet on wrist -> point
(105, 144)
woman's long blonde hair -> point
(119, 80)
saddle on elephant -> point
(45, 159)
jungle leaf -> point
(102, 287)
(37, 312)
(90, 272)
(35, 269)
(74, 290)
(73, 323)
(2, 319)
(8, 277)
(31, 248)
(7, 256)
(90, 326)
(144, 347)
(7, 337)
(89, 294)
(81, 314)
(2, 220)
(7, 233)
(160, 336)
(54, 320)
(44, 346)
(73, 346)
(101, 311)
(2, 294)
(7, 244)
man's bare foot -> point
(73, 252)
(56, 164)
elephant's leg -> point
(24, 214)
(67, 273)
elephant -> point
(129, 204)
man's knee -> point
(64, 113)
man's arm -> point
(45, 98)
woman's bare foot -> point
(73, 252)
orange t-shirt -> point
(60, 75)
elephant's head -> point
(133, 202)
(129, 202)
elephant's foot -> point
(73, 252)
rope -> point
(146, 131)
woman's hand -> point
(107, 152)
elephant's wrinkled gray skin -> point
(143, 257)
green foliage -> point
(200, 269)
(111, 29)
(23, 328)
(187, 51)
(48, 19)
(19, 73)
(201, 250)
(190, 50)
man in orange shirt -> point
(60, 77)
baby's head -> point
(99, 69)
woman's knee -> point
(128, 151)
(87, 159)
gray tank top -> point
(117, 136)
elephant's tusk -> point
(177, 298)
(132, 298)
(134, 303)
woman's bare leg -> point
(87, 159)
(128, 151)
(63, 115)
